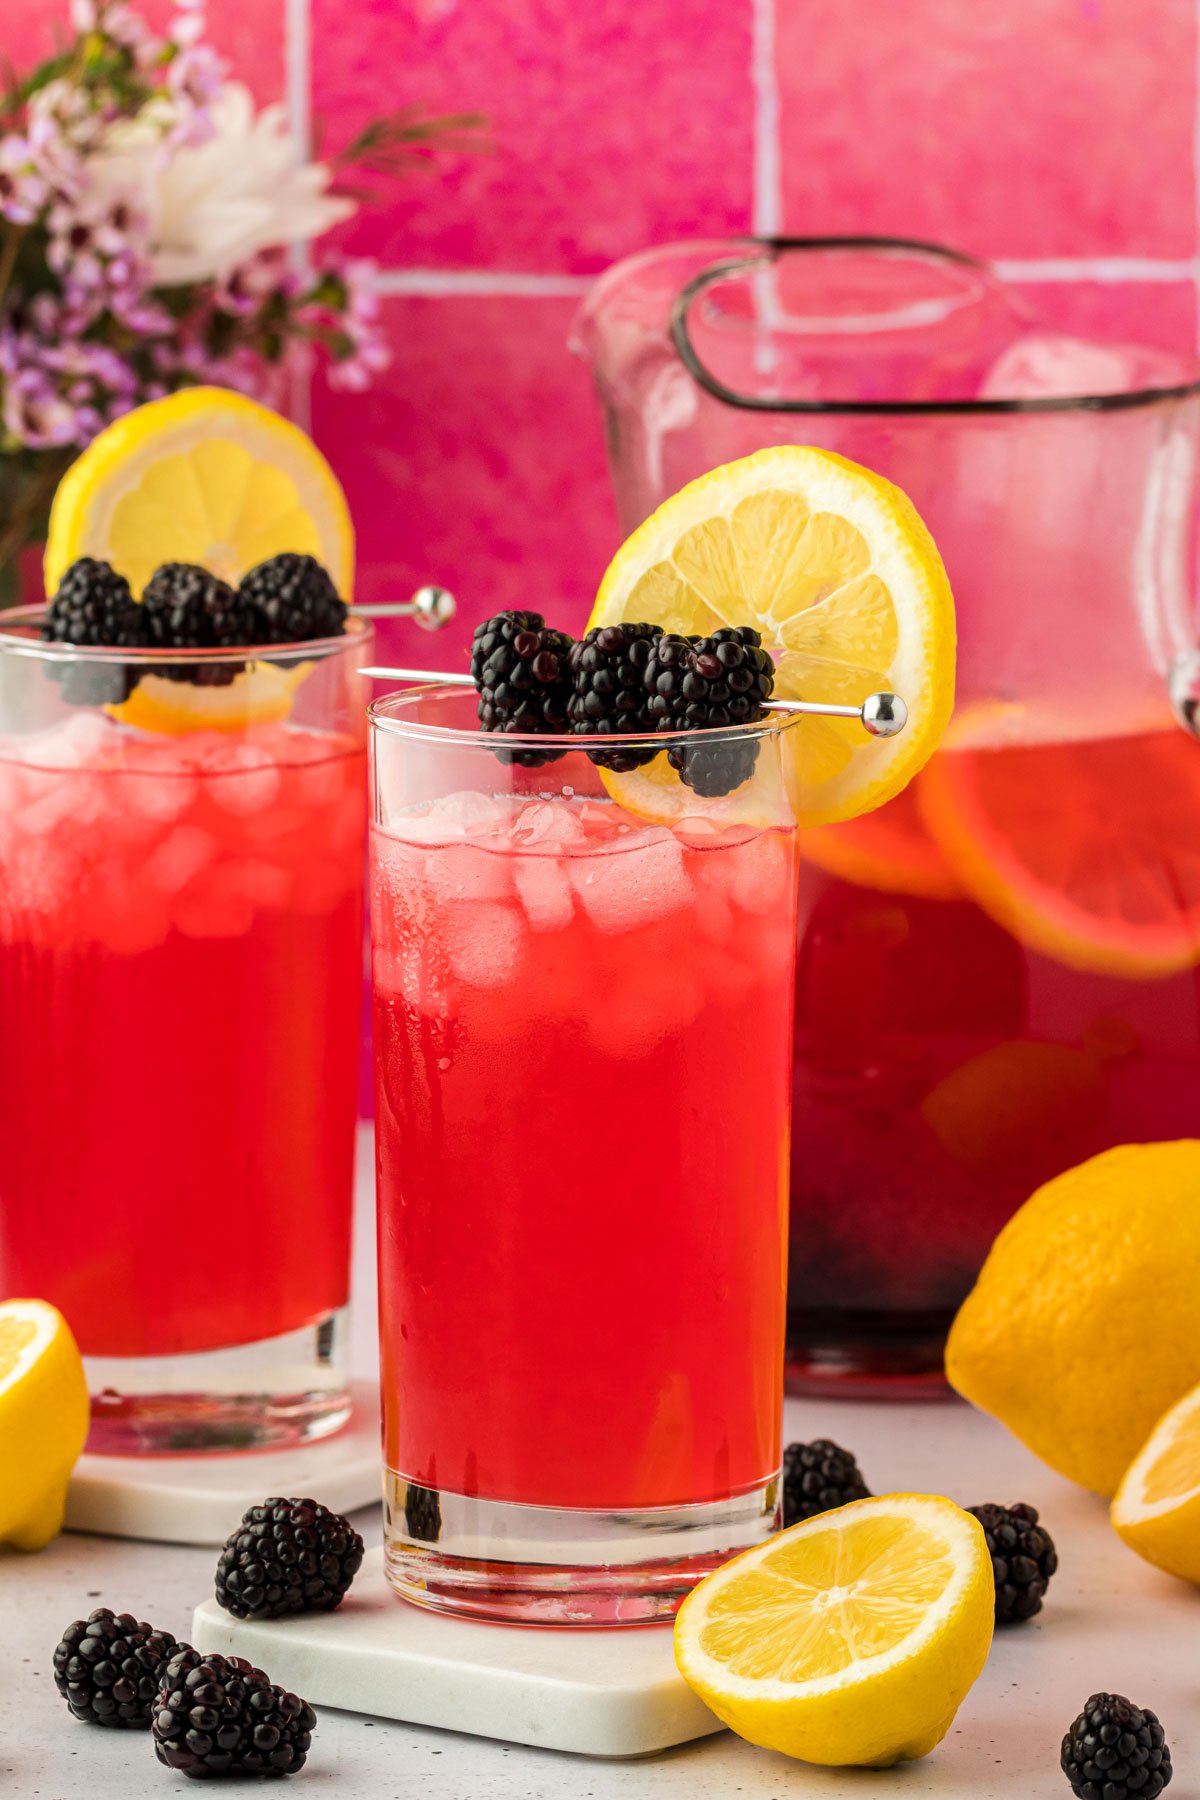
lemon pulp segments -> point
(204, 476)
(1156, 1509)
(835, 568)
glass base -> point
(281, 1390)
(867, 1356)
(545, 1565)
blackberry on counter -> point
(95, 609)
(608, 689)
(219, 1715)
(422, 1513)
(287, 1556)
(1023, 1558)
(292, 598)
(107, 1667)
(520, 667)
(707, 683)
(1116, 1751)
(188, 608)
(817, 1477)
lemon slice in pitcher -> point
(836, 569)
(203, 476)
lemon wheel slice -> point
(260, 694)
(44, 1414)
(1156, 1509)
(851, 1638)
(836, 569)
(204, 476)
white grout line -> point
(1096, 268)
(297, 83)
(448, 283)
(767, 204)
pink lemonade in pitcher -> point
(582, 1027)
(998, 976)
(179, 979)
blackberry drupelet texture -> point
(188, 608)
(291, 598)
(1023, 1558)
(218, 1715)
(710, 683)
(817, 1477)
(107, 1668)
(1116, 1751)
(287, 1556)
(608, 690)
(94, 609)
(519, 666)
(422, 1513)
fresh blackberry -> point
(188, 608)
(94, 609)
(287, 1556)
(707, 683)
(608, 689)
(1023, 1558)
(218, 1715)
(293, 598)
(107, 1667)
(422, 1513)
(520, 667)
(1116, 1751)
(817, 1477)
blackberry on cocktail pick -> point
(219, 1715)
(107, 1668)
(94, 609)
(189, 608)
(287, 1556)
(817, 1477)
(709, 683)
(292, 598)
(608, 690)
(1116, 1751)
(1023, 1558)
(519, 665)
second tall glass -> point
(583, 1008)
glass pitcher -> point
(998, 973)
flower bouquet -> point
(152, 232)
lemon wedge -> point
(44, 1413)
(836, 569)
(1156, 1509)
(203, 476)
(261, 693)
(851, 1638)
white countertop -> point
(1109, 1623)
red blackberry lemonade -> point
(180, 946)
(583, 1037)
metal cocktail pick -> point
(882, 714)
(430, 608)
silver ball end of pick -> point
(433, 607)
(884, 714)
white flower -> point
(213, 205)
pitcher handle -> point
(762, 254)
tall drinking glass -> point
(181, 853)
(583, 1038)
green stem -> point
(11, 249)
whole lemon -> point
(1084, 1325)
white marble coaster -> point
(199, 1499)
(596, 1692)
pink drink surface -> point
(583, 1031)
(180, 943)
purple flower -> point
(24, 187)
(369, 354)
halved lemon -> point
(890, 850)
(851, 1638)
(838, 572)
(204, 476)
(44, 1414)
(1084, 851)
(1156, 1509)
